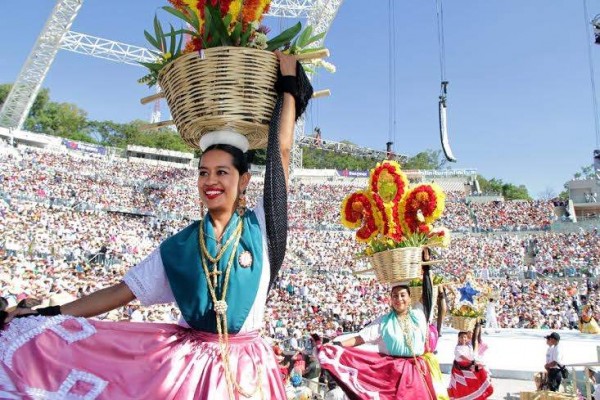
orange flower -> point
(249, 11)
(262, 9)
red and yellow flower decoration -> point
(421, 206)
(358, 212)
(390, 214)
(388, 184)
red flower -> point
(423, 228)
(357, 209)
(225, 7)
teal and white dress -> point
(61, 356)
(396, 371)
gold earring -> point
(241, 203)
(201, 210)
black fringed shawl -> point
(275, 190)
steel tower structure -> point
(26, 87)
(56, 35)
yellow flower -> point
(167, 55)
(234, 9)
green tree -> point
(258, 157)
(586, 172)
(115, 134)
(426, 160)
(508, 190)
(61, 119)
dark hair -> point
(400, 287)
(463, 333)
(3, 304)
(239, 159)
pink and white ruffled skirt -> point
(65, 357)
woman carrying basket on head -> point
(398, 370)
(217, 270)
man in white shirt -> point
(553, 361)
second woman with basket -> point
(398, 369)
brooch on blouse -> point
(245, 259)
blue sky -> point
(519, 97)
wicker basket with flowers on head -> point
(395, 222)
(223, 78)
(465, 318)
(468, 303)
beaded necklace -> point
(220, 306)
(408, 328)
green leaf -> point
(151, 40)
(194, 21)
(157, 30)
(310, 50)
(178, 49)
(245, 36)
(220, 29)
(207, 26)
(152, 66)
(173, 41)
(163, 40)
(315, 39)
(304, 36)
(180, 32)
(178, 14)
(284, 37)
(235, 35)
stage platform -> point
(519, 353)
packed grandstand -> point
(73, 222)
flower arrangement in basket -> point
(395, 221)
(218, 71)
(469, 306)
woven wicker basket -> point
(397, 264)
(463, 324)
(416, 292)
(231, 88)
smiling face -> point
(463, 339)
(219, 182)
(400, 299)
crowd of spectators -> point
(96, 182)
(54, 250)
(513, 215)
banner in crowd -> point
(85, 147)
(353, 174)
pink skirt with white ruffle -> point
(63, 357)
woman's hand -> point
(8, 316)
(287, 63)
